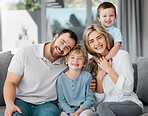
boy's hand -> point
(71, 114)
(78, 112)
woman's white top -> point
(123, 89)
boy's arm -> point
(113, 51)
(88, 103)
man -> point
(30, 86)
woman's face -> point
(98, 43)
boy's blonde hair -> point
(78, 49)
(105, 5)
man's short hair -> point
(71, 33)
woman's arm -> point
(99, 80)
(125, 81)
(124, 78)
(100, 74)
(99, 94)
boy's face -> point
(75, 61)
(107, 17)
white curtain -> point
(129, 22)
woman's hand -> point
(104, 64)
(101, 74)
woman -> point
(114, 78)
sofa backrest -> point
(142, 84)
(140, 76)
(135, 76)
(5, 59)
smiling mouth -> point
(99, 47)
(108, 22)
(75, 64)
(59, 51)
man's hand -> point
(92, 85)
(13, 108)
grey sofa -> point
(140, 77)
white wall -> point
(144, 7)
(12, 22)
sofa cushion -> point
(5, 59)
(142, 85)
(2, 109)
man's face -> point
(61, 45)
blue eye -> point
(79, 58)
(72, 57)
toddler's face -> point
(107, 17)
(75, 61)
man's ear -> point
(56, 36)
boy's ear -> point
(84, 64)
(56, 36)
(66, 60)
(98, 18)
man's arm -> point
(92, 85)
(9, 92)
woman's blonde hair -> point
(92, 65)
(101, 30)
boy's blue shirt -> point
(116, 34)
(75, 94)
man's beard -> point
(52, 48)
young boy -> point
(106, 14)
(74, 95)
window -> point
(73, 16)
